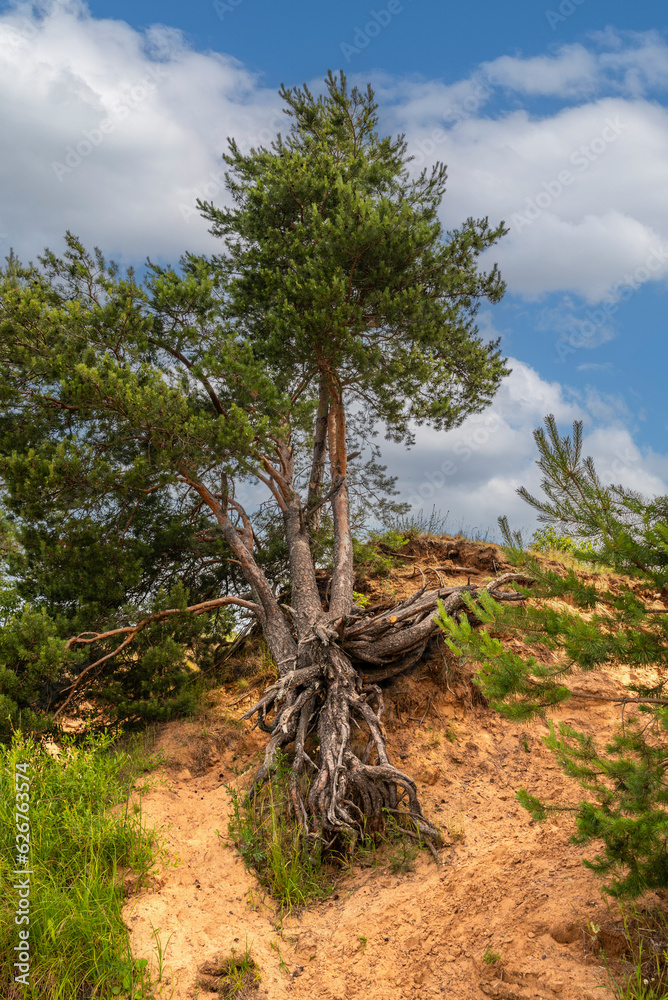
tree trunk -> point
(319, 454)
(341, 595)
(305, 601)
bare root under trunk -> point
(347, 785)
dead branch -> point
(131, 631)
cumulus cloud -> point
(113, 133)
(474, 471)
(579, 189)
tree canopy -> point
(136, 418)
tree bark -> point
(319, 454)
(341, 593)
(277, 633)
(305, 598)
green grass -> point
(78, 943)
(641, 984)
(646, 974)
(271, 844)
(281, 961)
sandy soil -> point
(506, 885)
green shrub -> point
(548, 539)
(152, 680)
(376, 556)
(32, 657)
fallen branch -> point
(619, 699)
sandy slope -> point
(505, 884)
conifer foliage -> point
(138, 417)
(626, 622)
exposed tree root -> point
(330, 692)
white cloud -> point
(589, 257)
(619, 460)
(639, 61)
(573, 71)
(131, 185)
(475, 470)
(113, 132)
(580, 190)
(629, 62)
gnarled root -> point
(349, 794)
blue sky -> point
(290, 43)
(550, 115)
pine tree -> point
(137, 416)
(625, 779)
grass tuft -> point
(232, 976)
(645, 971)
(418, 523)
(272, 845)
